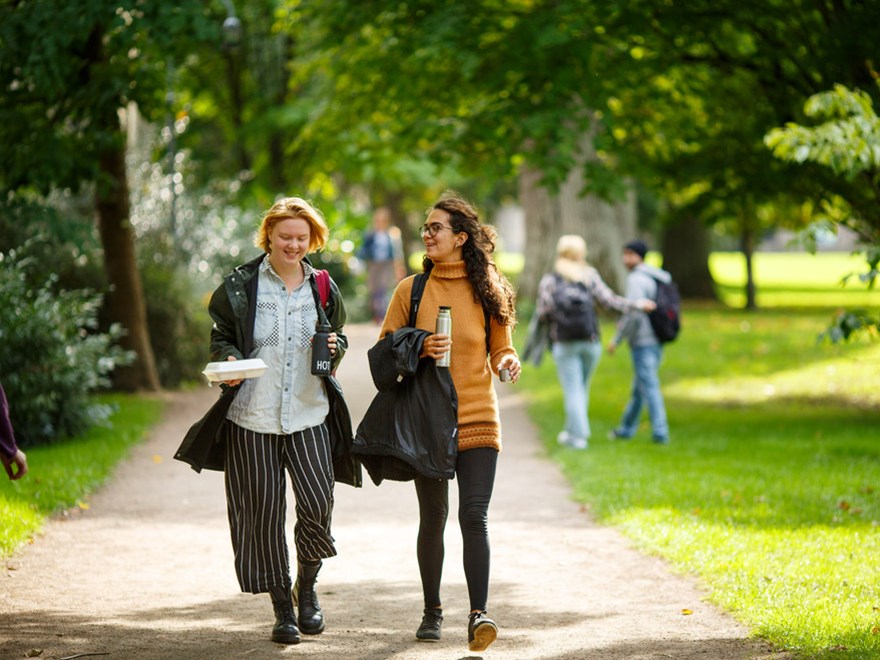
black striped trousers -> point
(256, 501)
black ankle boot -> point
(285, 630)
(311, 618)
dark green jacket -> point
(233, 308)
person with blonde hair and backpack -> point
(566, 306)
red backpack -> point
(322, 279)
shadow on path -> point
(147, 572)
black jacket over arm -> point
(411, 427)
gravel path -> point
(146, 572)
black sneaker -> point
(482, 631)
(429, 630)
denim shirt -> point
(287, 398)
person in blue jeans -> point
(646, 350)
(566, 301)
(382, 251)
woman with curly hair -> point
(461, 275)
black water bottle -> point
(320, 350)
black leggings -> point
(475, 473)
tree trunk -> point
(605, 227)
(542, 231)
(125, 302)
(686, 256)
(748, 250)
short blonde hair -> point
(572, 246)
(290, 208)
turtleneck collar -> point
(449, 270)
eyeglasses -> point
(432, 229)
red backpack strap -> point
(322, 278)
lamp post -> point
(172, 146)
(231, 40)
(231, 27)
(232, 34)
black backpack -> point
(666, 318)
(574, 315)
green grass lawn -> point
(794, 279)
(770, 489)
(62, 475)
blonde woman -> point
(566, 302)
(279, 424)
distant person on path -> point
(645, 348)
(382, 251)
(566, 301)
(462, 275)
(278, 423)
(14, 459)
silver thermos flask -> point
(444, 327)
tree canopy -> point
(383, 101)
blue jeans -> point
(645, 391)
(576, 362)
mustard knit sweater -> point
(478, 421)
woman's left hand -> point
(511, 363)
(331, 343)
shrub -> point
(51, 356)
(178, 322)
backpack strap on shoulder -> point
(319, 282)
(415, 298)
(322, 278)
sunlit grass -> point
(770, 489)
(62, 475)
(823, 270)
(794, 279)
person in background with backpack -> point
(277, 424)
(566, 301)
(461, 274)
(645, 348)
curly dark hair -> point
(491, 289)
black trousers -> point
(256, 484)
(475, 474)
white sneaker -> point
(565, 439)
(577, 443)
